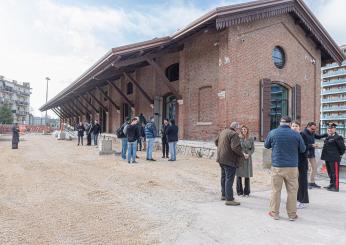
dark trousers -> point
(89, 139)
(333, 173)
(139, 144)
(165, 148)
(227, 179)
(240, 190)
(80, 139)
(303, 195)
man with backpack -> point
(121, 134)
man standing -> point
(310, 134)
(96, 131)
(132, 134)
(172, 139)
(80, 132)
(286, 144)
(121, 135)
(150, 134)
(15, 136)
(230, 157)
(165, 147)
(333, 149)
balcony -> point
(334, 117)
(334, 108)
(334, 65)
(334, 82)
(334, 91)
(334, 74)
(333, 100)
(21, 113)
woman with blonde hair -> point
(245, 170)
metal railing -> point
(334, 108)
(333, 82)
(329, 100)
(334, 91)
(334, 73)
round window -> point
(278, 56)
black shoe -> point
(313, 185)
(137, 156)
(170, 160)
(240, 193)
(333, 189)
(328, 187)
(153, 160)
(134, 162)
(163, 157)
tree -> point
(6, 115)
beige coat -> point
(248, 147)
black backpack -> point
(120, 132)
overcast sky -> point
(62, 38)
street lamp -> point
(47, 78)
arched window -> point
(172, 72)
(129, 88)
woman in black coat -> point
(15, 136)
(172, 138)
(80, 130)
(303, 167)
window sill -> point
(204, 123)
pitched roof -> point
(222, 17)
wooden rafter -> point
(129, 77)
(91, 105)
(98, 102)
(108, 98)
(121, 93)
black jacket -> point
(311, 140)
(172, 133)
(80, 130)
(163, 132)
(132, 133)
(333, 148)
(303, 157)
(96, 129)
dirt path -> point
(54, 192)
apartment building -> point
(16, 95)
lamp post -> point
(47, 78)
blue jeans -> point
(123, 148)
(95, 138)
(173, 150)
(132, 150)
(227, 179)
(150, 148)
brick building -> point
(251, 62)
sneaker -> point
(170, 160)
(128, 162)
(293, 218)
(163, 157)
(223, 198)
(328, 187)
(301, 205)
(134, 162)
(274, 216)
(232, 203)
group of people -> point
(137, 129)
(93, 130)
(292, 151)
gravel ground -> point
(55, 192)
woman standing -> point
(245, 171)
(303, 166)
(15, 136)
(172, 139)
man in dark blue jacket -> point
(286, 144)
(172, 139)
(310, 134)
(150, 134)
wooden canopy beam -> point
(162, 74)
(76, 106)
(57, 113)
(73, 112)
(91, 105)
(121, 93)
(63, 112)
(79, 112)
(129, 77)
(98, 102)
(86, 108)
(109, 98)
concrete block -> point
(61, 135)
(105, 147)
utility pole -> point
(47, 78)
